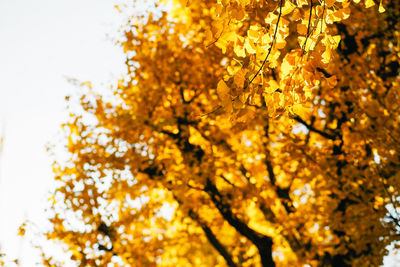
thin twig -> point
(309, 25)
(194, 187)
(262, 65)
(214, 110)
(226, 180)
(269, 50)
(216, 40)
(322, 17)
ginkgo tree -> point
(246, 133)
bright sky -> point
(42, 42)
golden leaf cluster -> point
(246, 133)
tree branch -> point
(262, 242)
(213, 239)
(313, 129)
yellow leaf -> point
(288, 8)
(369, 3)
(301, 3)
(286, 67)
(222, 90)
(244, 3)
(209, 37)
(296, 15)
(271, 18)
(306, 43)
(238, 14)
(52, 199)
(223, 44)
(272, 86)
(335, 41)
(245, 115)
(87, 84)
(250, 47)
(253, 34)
(239, 50)
(280, 42)
(21, 231)
(217, 27)
(381, 8)
(301, 110)
(326, 56)
(231, 37)
(329, 3)
(237, 104)
(332, 81)
(301, 29)
(227, 104)
(118, 8)
(239, 78)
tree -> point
(246, 133)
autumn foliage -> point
(246, 133)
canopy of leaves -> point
(246, 133)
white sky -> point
(41, 42)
